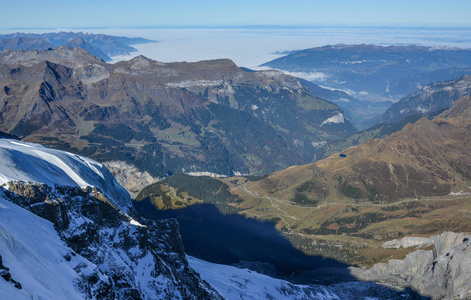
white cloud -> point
(311, 76)
(251, 47)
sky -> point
(148, 13)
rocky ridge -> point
(208, 116)
(431, 98)
(130, 177)
(101, 45)
(95, 241)
(440, 273)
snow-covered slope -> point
(33, 162)
(65, 233)
(35, 255)
(244, 284)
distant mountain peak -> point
(101, 45)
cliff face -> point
(84, 240)
(130, 177)
(440, 273)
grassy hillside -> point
(415, 182)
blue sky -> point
(137, 13)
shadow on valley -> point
(235, 240)
(229, 239)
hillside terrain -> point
(415, 181)
(209, 116)
(64, 216)
(431, 98)
(375, 76)
(361, 113)
(378, 131)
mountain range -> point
(100, 45)
(375, 74)
(433, 97)
(382, 70)
(68, 230)
(375, 205)
(413, 182)
(208, 116)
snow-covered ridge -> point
(28, 162)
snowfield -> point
(35, 255)
(25, 162)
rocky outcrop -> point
(126, 257)
(408, 242)
(431, 98)
(130, 177)
(441, 273)
(5, 274)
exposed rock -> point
(5, 274)
(441, 273)
(130, 177)
(126, 261)
(433, 97)
(408, 242)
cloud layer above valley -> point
(250, 47)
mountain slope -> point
(208, 116)
(30, 245)
(81, 43)
(245, 284)
(431, 98)
(35, 163)
(425, 159)
(416, 181)
(82, 242)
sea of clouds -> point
(252, 46)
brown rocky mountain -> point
(429, 158)
(414, 182)
(208, 116)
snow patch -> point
(190, 83)
(318, 144)
(136, 223)
(337, 119)
(422, 109)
